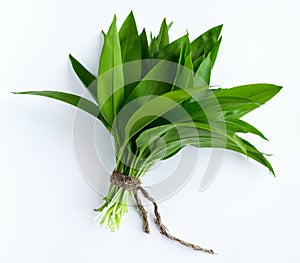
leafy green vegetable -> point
(154, 98)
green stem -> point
(116, 201)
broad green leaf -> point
(150, 111)
(130, 40)
(204, 140)
(260, 93)
(144, 45)
(214, 52)
(157, 107)
(187, 78)
(172, 144)
(198, 61)
(71, 99)
(87, 78)
(158, 81)
(204, 72)
(207, 110)
(256, 155)
(131, 51)
(237, 125)
(252, 152)
(205, 43)
(146, 65)
(213, 55)
(186, 130)
(110, 80)
(173, 141)
(233, 106)
(172, 51)
(215, 108)
(163, 36)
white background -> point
(46, 207)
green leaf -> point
(256, 155)
(146, 65)
(214, 109)
(172, 51)
(71, 99)
(153, 47)
(163, 36)
(158, 81)
(235, 106)
(237, 125)
(213, 55)
(260, 93)
(110, 80)
(252, 152)
(171, 144)
(130, 40)
(214, 52)
(207, 110)
(150, 111)
(87, 78)
(184, 75)
(175, 139)
(188, 130)
(144, 45)
(131, 51)
(204, 72)
(198, 61)
(175, 142)
(204, 43)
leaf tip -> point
(170, 25)
(273, 172)
(131, 16)
(114, 22)
(71, 57)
